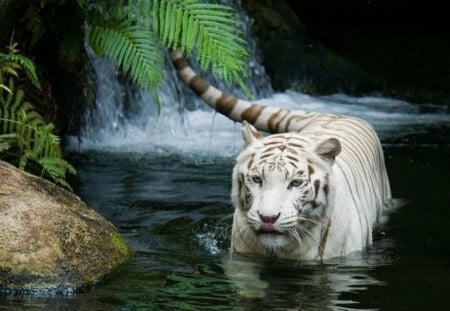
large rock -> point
(49, 239)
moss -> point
(120, 244)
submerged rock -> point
(49, 239)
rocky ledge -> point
(50, 241)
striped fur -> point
(312, 190)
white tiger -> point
(312, 191)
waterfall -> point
(125, 119)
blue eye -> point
(257, 180)
(295, 183)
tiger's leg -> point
(245, 275)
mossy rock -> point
(49, 239)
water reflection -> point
(176, 214)
(181, 282)
(307, 285)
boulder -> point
(50, 241)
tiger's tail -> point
(263, 117)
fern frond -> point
(36, 148)
(25, 63)
(4, 87)
(56, 168)
(27, 140)
(6, 140)
(15, 108)
(210, 27)
(132, 32)
(10, 68)
(133, 48)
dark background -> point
(404, 43)
(394, 48)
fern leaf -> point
(155, 11)
(56, 168)
(147, 14)
(4, 87)
(15, 108)
(32, 141)
(133, 48)
(18, 99)
(140, 10)
(6, 140)
(183, 24)
(25, 135)
(130, 10)
(11, 70)
(183, 38)
(26, 64)
(23, 160)
(210, 27)
(162, 19)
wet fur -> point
(338, 159)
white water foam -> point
(203, 132)
(390, 117)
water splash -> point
(209, 242)
(204, 133)
(391, 118)
(125, 119)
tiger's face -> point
(281, 188)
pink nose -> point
(269, 219)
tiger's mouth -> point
(268, 233)
(268, 228)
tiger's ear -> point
(329, 149)
(250, 134)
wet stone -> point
(50, 241)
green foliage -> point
(211, 27)
(131, 33)
(26, 140)
(132, 48)
(10, 63)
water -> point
(204, 133)
(174, 210)
(164, 182)
(124, 116)
(169, 197)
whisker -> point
(309, 233)
(295, 234)
(308, 220)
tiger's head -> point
(282, 188)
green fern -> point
(13, 106)
(10, 62)
(210, 27)
(6, 140)
(56, 168)
(27, 140)
(35, 149)
(45, 152)
(132, 48)
(5, 88)
(186, 24)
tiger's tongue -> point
(267, 227)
